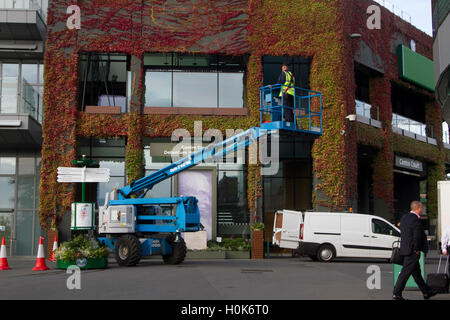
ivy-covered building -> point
(136, 70)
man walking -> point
(287, 92)
(413, 241)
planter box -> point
(204, 254)
(100, 263)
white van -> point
(324, 236)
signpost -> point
(83, 212)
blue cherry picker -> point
(133, 226)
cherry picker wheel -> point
(128, 250)
(178, 250)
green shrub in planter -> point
(85, 252)
(257, 226)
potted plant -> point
(257, 240)
(84, 252)
(236, 248)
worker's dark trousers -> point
(288, 101)
(411, 266)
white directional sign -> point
(67, 174)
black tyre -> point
(128, 250)
(178, 251)
(326, 253)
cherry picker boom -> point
(134, 226)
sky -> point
(420, 12)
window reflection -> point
(158, 89)
(7, 165)
(193, 80)
(7, 187)
(10, 77)
(195, 89)
(230, 85)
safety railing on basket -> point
(301, 111)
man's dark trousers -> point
(411, 266)
(288, 101)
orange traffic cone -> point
(40, 261)
(55, 246)
(3, 259)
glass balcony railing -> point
(406, 124)
(31, 101)
(366, 110)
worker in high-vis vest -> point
(287, 92)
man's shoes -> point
(395, 297)
(430, 294)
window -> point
(445, 133)
(408, 103)
(10, 79)
(362, 81)
(300, 67)
(194, 80)
(103, 80)
(21, 89)
(108, 153)
(381, 227)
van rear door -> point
(355, 235)
(286, 230)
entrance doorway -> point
(406, 190)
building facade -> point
(117, 88)
(22, 39)
(441, 51)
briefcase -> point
(396, 258)
(439, 281)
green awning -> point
(415, 68)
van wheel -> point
(326, 253)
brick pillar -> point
(258, 244)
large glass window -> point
(19, 203)
(103, 80)
(22, 89)
(7, 182)
(26, 184)
(194, 80)
(10, 78)
(7, 165)
(7, 188)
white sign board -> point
(82, 216)
(67, 174)
(443, 207)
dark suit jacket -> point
(413, 238)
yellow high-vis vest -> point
(290, 81)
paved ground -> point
(276, 278)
